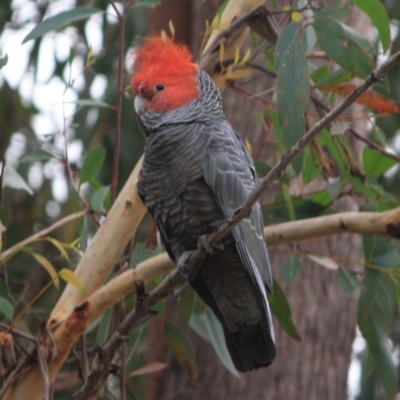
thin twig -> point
(119, 16)
(374, 145)
(117, 137)
(235, 24)
(100, 368)
(44, 232)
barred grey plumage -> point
(196, 173)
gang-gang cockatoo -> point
(196, 172)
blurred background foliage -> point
(58, 92)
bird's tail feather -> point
(251, 346)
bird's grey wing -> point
(229, 172)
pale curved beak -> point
(139, 105)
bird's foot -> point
(208, 248)
(182, 264)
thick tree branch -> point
(100, 365)
(364, 223)
(107, 245)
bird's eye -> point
(159, 87)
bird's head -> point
(165, 76)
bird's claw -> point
(208, 248)
(182, 264)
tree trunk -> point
(315, 368)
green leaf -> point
(348, 282)
(281, 309)
(293, 86)
(104, 327)
(376, 309)
(99, 197)
(355, 181)
(14, 180)
(334, 187)
(335, 78)
(338, 11)
(375, 313)
(60, 246)
(339, 46)
(5, 216)
(358, 38)
(92, 164)
(160, 307)
(186, 304)
(288, 201)
(60, 20)
(369, 378)
(320, 74)
(198, 307)
(262, 168)
(69, 276)
(84, 233)
(3, 61)
(274, 118)
(209, 328)
(290, 269)
(381, 252)
(379, 16)
(71, 55)
(38, 155)
(375, 163)
(47, 265)
(139, 254)
(278, 212)
(311, 167)
(182, 350)
(6, 308)
(149, 3)
(89, 103)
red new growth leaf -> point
(374, 100)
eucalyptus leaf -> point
(38, 155)
(60, 20)
(375, 163)
(70, 277)
(291, 268)
(99, 197)
(379, 16)
(376, 309)
(281, 309)
(3, 61)
(6, 308)
(293, 86)
(311, 166)
(186, 304)
(341, 46)
(209, 328)
(335, 78)
(14, 180)
(139, 254)
(182, 350)
(348, 282)
(92, 164)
